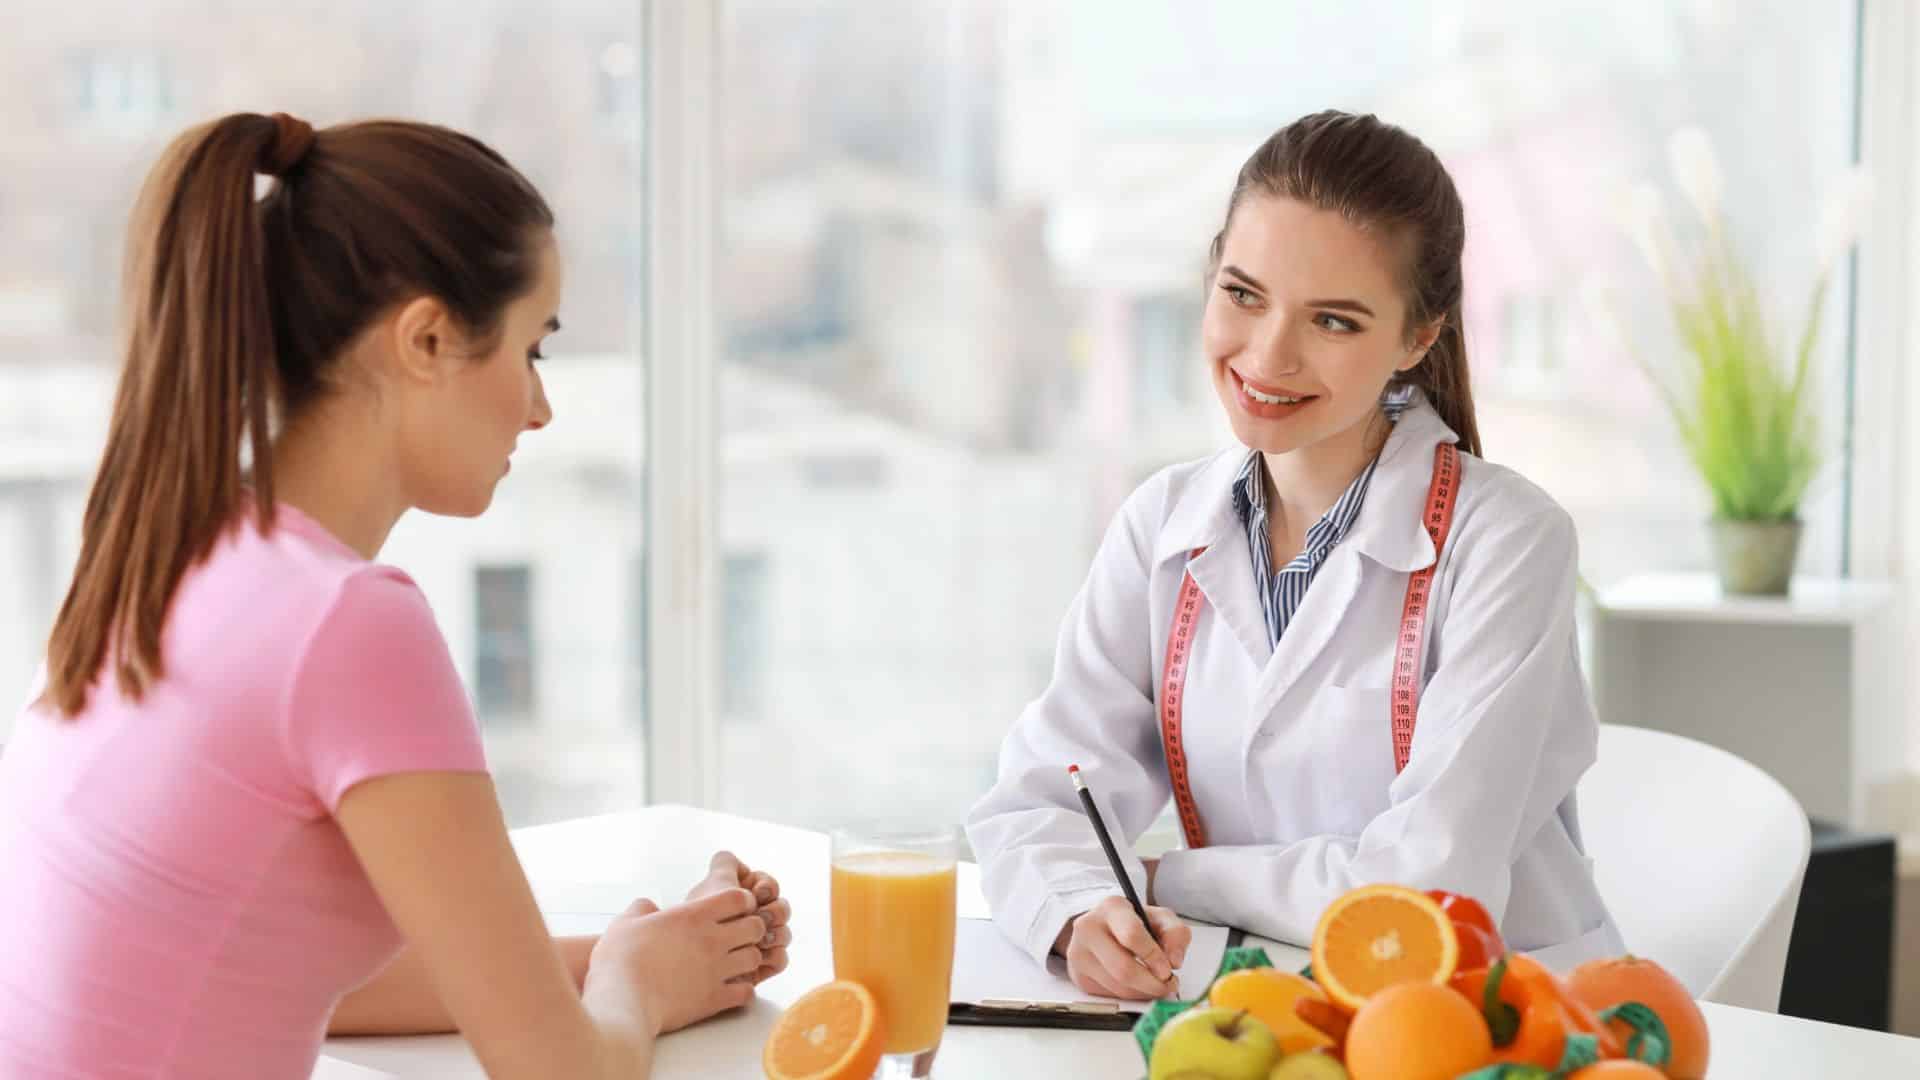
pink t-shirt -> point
(176, 899)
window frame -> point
(681, 191)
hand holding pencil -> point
(1122, 948)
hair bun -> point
(292, 139)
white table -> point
(583, 869)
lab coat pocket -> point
(1352, 759)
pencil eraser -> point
(1073, 768)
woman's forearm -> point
(401, 999)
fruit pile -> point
(1406, 985)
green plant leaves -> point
(1747, 420)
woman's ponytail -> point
(198, 381)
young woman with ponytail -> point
(247, 803)
(1417, 716)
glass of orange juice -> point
(893, 908)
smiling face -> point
(1305, 324)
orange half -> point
(1378, 936)
(834, 1032)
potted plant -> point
(1744, 406)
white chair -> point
(1699, 856)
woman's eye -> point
(1238, 295)
(1335, 323)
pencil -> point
(1113, 856)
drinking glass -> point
(893, 922)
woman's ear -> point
(422, 340)
(1422, 341)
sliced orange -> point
(834, 1032)
(1378, 936)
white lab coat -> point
(1290, 750)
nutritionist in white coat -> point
(1344, 650)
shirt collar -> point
(1387, 529)
(1250, 496)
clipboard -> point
(1064, 1016)
(995, 984)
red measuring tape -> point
(1438, 520)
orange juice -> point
(893, 934)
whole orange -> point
(1602, 984)
(1417, 1031)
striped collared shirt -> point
(1281, 593)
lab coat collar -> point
(1203, 515)
(1391, 529)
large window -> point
(964, 243)
(958, 280)
(526, 595)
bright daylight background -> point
(958, 279)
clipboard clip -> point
(1065, 1008)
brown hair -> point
(1380, 176)
(236, 309)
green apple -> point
(1308, 1065)
(1222, 1044)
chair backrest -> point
(1699, 855)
